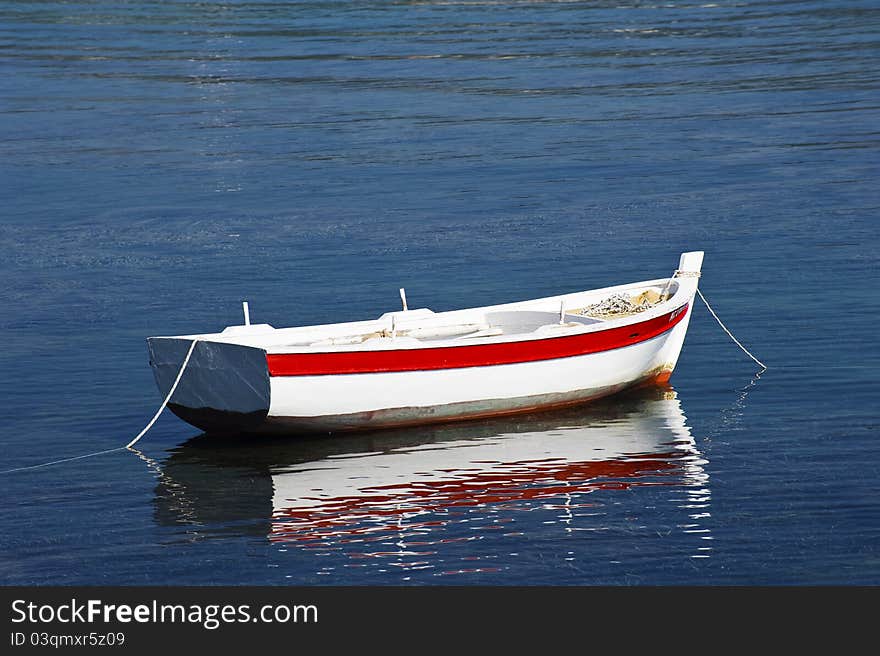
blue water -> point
(162, 162)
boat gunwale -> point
(470, 355)
(274, 340)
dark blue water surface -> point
(160, 162)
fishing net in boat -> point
(619, 305)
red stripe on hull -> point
(482, 355)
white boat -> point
(417, 366)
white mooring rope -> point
(192, 347)
(139, 436)
(55, 462)
(730, 334)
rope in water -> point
(139, 436)
(729, 334)
(56, 462)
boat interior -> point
(566, 314)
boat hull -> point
(373, 375)
(330, 403)
(229, 389)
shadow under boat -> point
(336, 488)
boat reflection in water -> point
(414, 499)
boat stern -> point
(224, 389)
